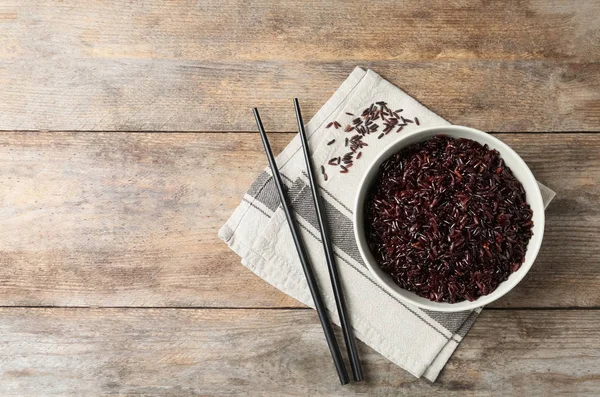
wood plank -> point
(125, 219)
(166, 352)
(121, 219)
(197, 66)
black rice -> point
(447, 219)
(366, 124)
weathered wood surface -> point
(170, 352)
(121, 218)
(131, 219)
(200, 66)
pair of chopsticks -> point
(306, 265)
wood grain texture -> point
(125, 219)
(131, 219)
(134, 352)
(199, 66)
(117, 218)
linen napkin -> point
(420, 341)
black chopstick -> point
(331, 263)
(306, 266)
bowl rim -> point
(534, 198)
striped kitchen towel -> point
(420, 341)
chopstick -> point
(331, 263)
(306, 266)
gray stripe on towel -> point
(340, 227)
(264, 190)
(322, 189)
(258, 184)
(451, 321)
(466, 326)
(250, 203)
(295, 190)
(268, 195)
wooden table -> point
(127, 140)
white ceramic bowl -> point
(520, 171)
